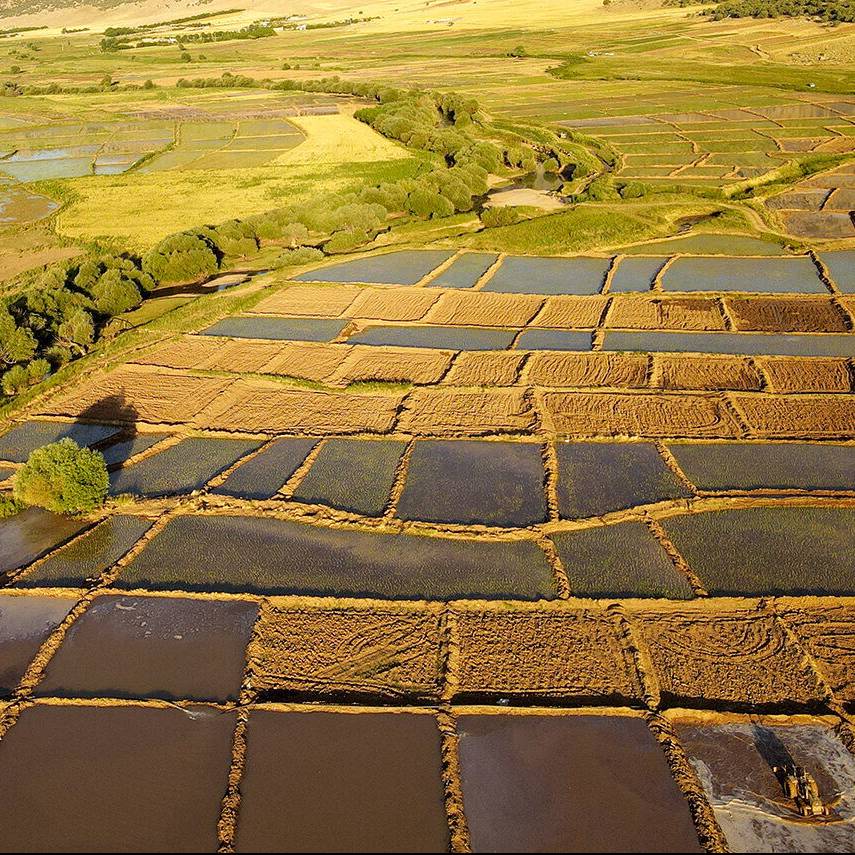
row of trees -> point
(112, 43)
(829, 11)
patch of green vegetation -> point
(8, 507)
(770, 75)
(587, 227)
(64, 478)
(830, 11)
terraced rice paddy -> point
(538, 524)
(819, 207)
(72, 151)
(718, 147)
(430, 548)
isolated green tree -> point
(64, 478)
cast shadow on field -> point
(114, 409)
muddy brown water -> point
(25, 622)
(569, 784)
(159, 647)
(115, 779)
(30, 534)
(735, 765)
(333, 782)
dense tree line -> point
(829, 11)
(189, 19)
(112, 43)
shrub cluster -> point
(829, 11)
(60, 315)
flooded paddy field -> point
(477, 537)
(73, 151)
(18, 205)
(698, 263)
(198, 689)
(720, 147)
(381, 547)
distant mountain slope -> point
(101, 12)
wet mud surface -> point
(735, 764)
(98, 779)
(553, 784)
(327, 782)
(159, 647)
